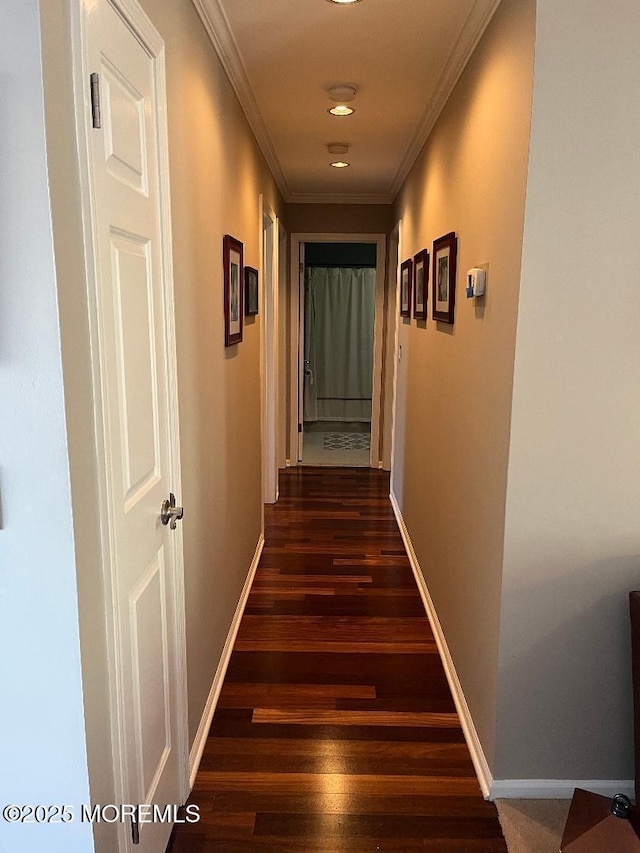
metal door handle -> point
(170, 513)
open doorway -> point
(337, 343)
(338, 336)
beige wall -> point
(572, 548)
(454, 383)
(339, 218)
(217, 175)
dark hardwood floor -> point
(336, 730)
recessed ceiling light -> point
(344, 2)
(341, 110)
(340, 164)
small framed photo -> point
(232, 259)
(250, 291)
(405, 288)
(445, 250)
(420, 284)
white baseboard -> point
(195, 756)
(493, 789)
(556, 789)
(471, 735)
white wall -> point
(42, 742)
(572, 540)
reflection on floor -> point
(335, 730)
(336, 443)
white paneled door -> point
(135, 372)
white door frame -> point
(269, 330)
(394, 286)
(282, 284)
(145, 32)
(298, 240)
(299, 338)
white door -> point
(136, 365)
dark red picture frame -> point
(421, 260)
(443, 277)
(233, 286)
(406, 287)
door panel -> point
(124, 128)
(151, 669)
(138, 392)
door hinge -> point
(299, 427)
(135, 829)
(301, 268)
(95, 100)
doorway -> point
(337, 306)
(339, 314)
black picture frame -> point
(445, 250)
(251, 304)
(233, 278)
(405, 287)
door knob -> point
(170, 513)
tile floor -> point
(333, 443)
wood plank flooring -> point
(335, 730)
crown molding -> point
(217, 27)
(337, 198)
(475, 25)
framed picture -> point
(445, 250)
(405, 288)
(250, 291)
(232, 258)
(420, 284)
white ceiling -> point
(282, 55)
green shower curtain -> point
(339, 322)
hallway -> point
(335, 729)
